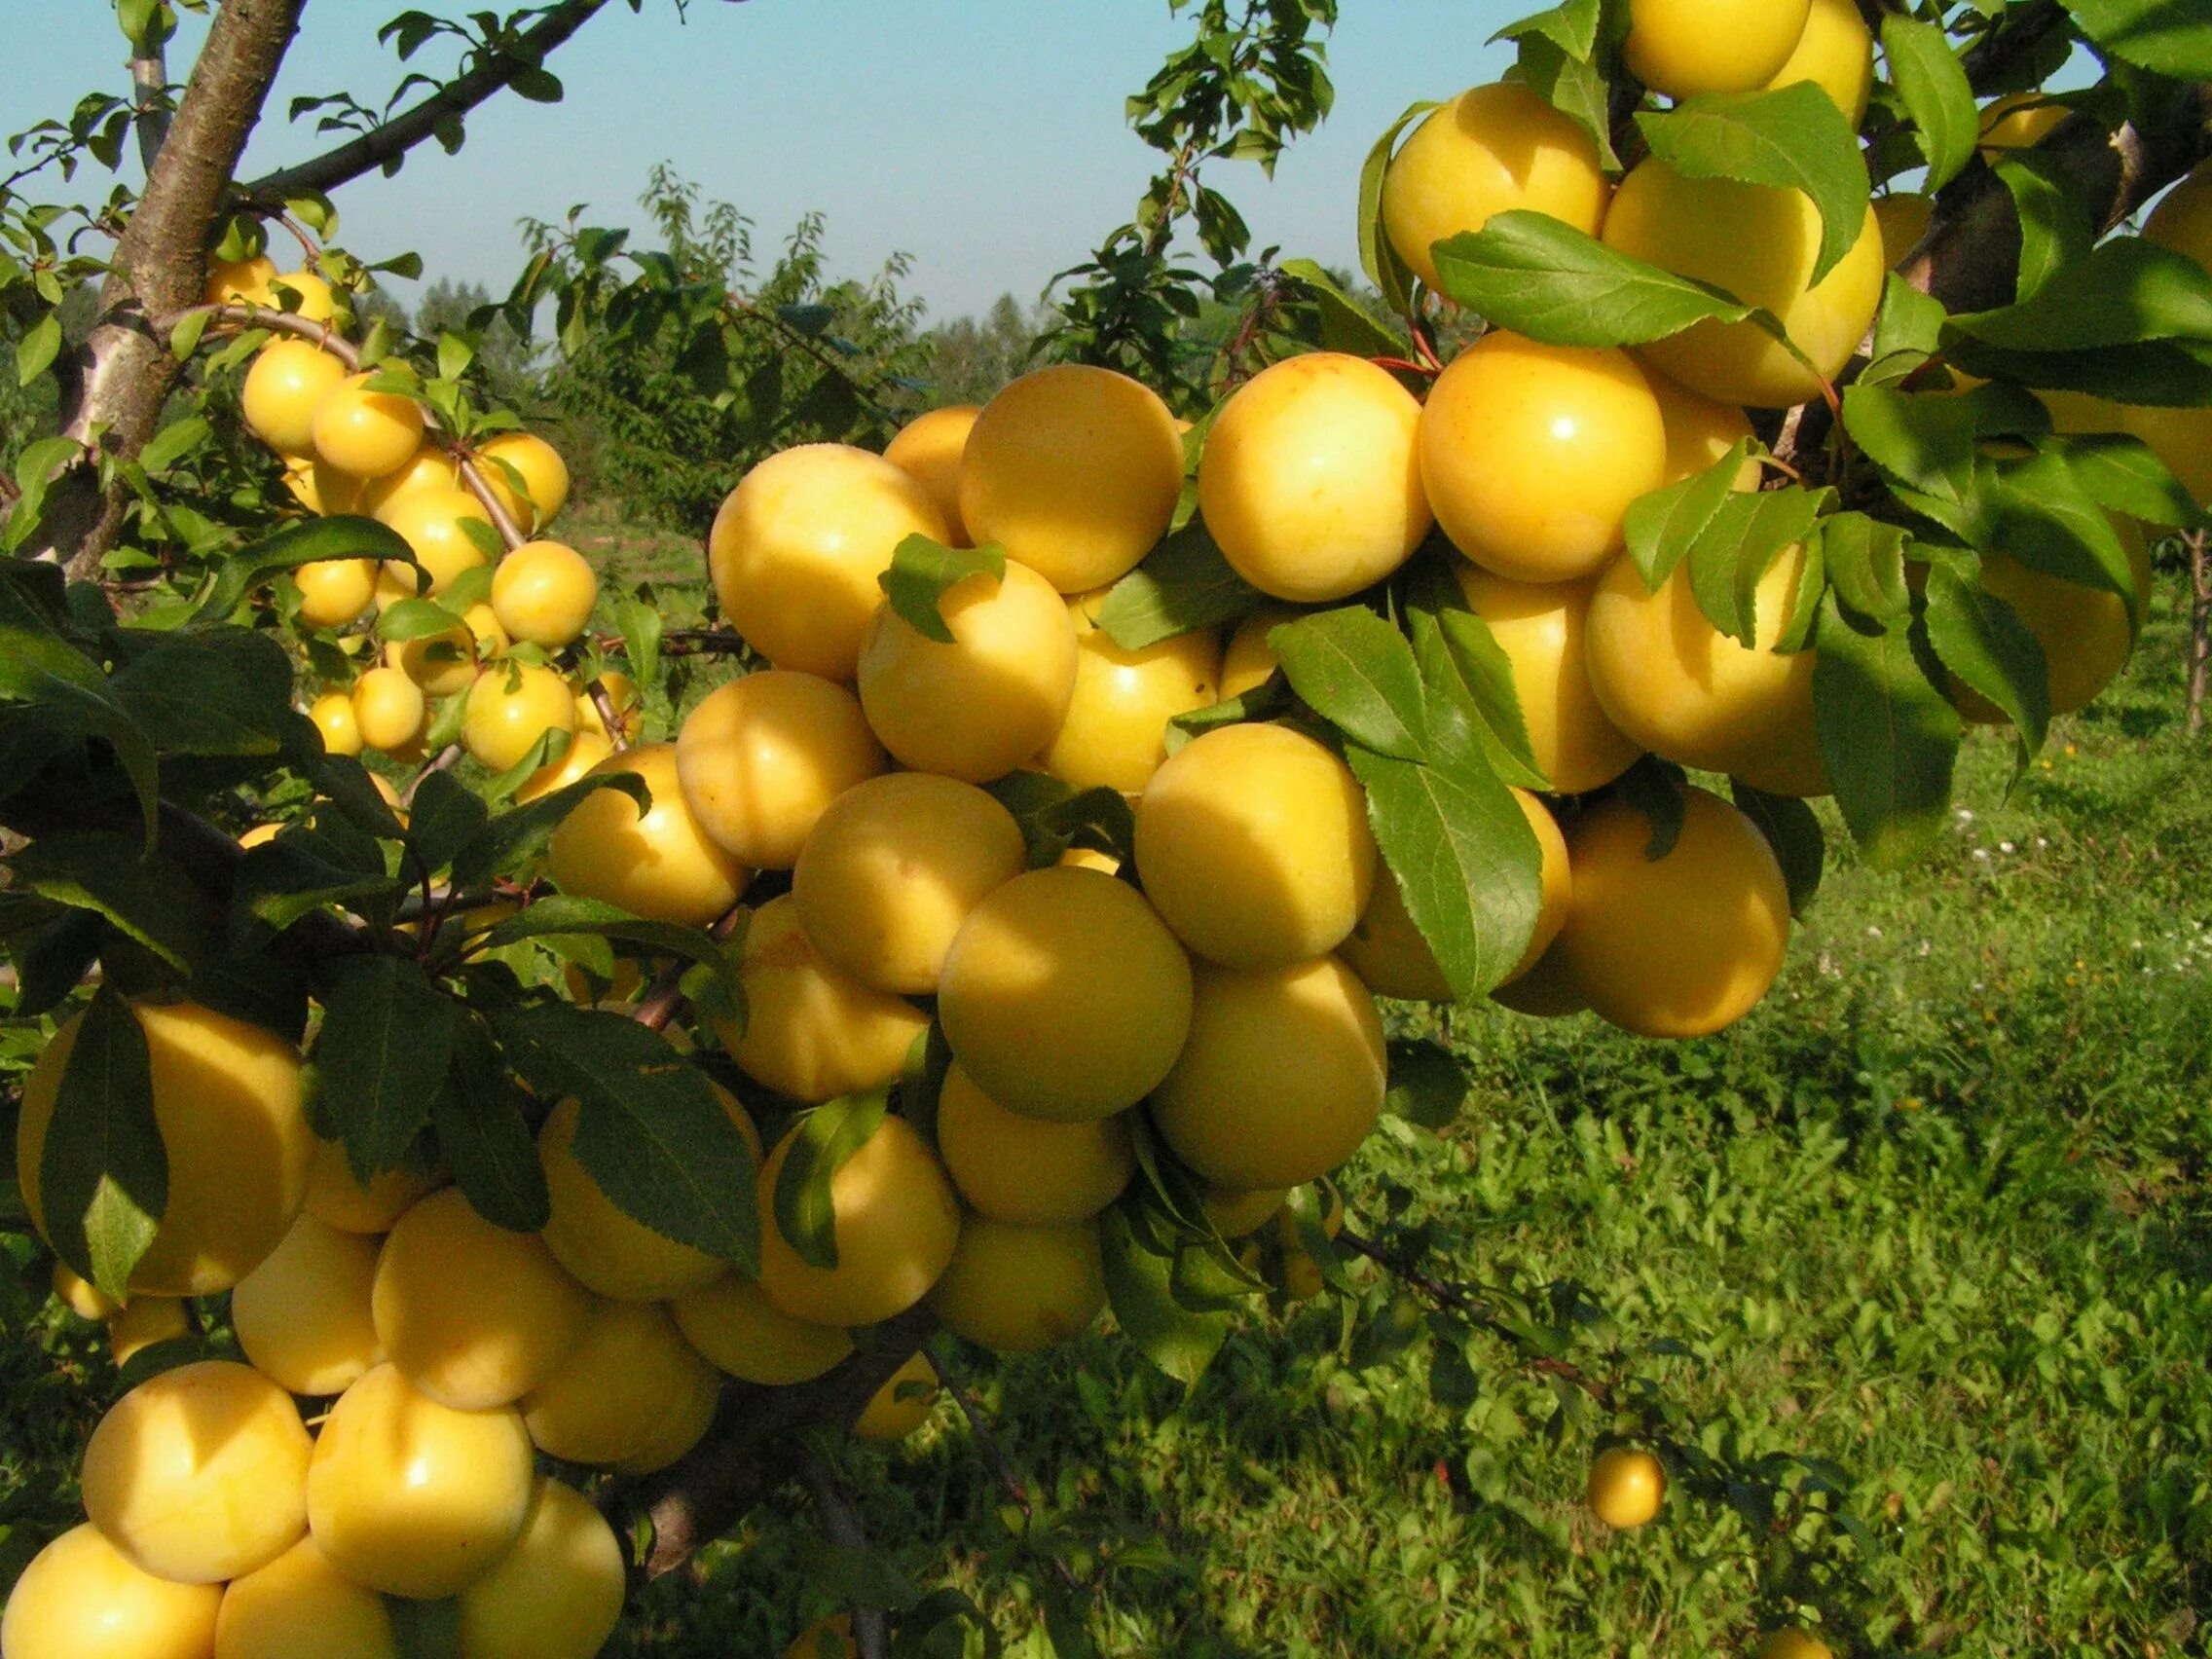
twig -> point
(607, 718)
(444, 760)
(664, 999)
(833, 1504)
(690, 641)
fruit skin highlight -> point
(1627, 1486)
(1680, 48)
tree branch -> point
(833, 1506)
(386, 145)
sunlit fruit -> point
(929, 448)
(81, 1598)
(1679, 946)
(543, 592)
(894, 1222)
(227, 1100)
(1541, 627)
(445, 664)
(1114, 734)
(683, 1426)
(2183, 218)
(389, 709)
(1388, 951)
(902, 1404)
(288, 383)
(1700, 432)
(430, 467)
(1238, 1214)
(544, 475)
(1074, 470)
(143, 1322)
(196, 1475)
(435, 523)
(761, 759)
(320, 486)
(601, 1247)
(2087, 634)
(1311, 480)
(585, 750)
(1491, 149)
(335, 592)
(337, 1199)
(1531, 453)
(603, 1402)
(796, 550)
(1252, 842)
(303, 294)
(303, 1316)
(2018, 121)
(1759, 244)
(980, 705)
(1675, 684)
(1015, 1288)
(366, 433)
(510, 707)
(1626, 1486)
(1793, 1642)
(1248, 660)
(1282, 1077)
(557, 1594)
(811, 1030)
(415, 1498)
(300, 1606)
(1903, 218)
(1014, 1167)
(825, 1639)
(892, 868)
(735, 1326)
(473, 1315)
(240, 282)
(1680, 48)
(1836, 53)
(1064, 995)
(658, 864)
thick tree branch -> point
(833, 1506)
(387, 143)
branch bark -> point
(387, 143)
(833, 1506)
(124, 371)
(2200, 545)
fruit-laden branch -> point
(124, 371)
(754, 1445)
(489, 76)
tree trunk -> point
(2199, 544)
(123, 372)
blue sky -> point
(984, 138)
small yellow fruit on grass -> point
(299, 1607)
(557, 1594)
(227, 1103)
(761, 759)
(1491, 149)
(811, 1030)
(335, 592)
(543, 592)
(198, 1474)
(288, 383)
(1114, 734)
(1531, 453)
(1311, 478)
(892, 868)
(1252, 842)
(1626, 1486)
(980, 705)
(1075, 471)
(473, 1315)
(303, 1316)
(1680, 48)
(414, 1499)
(602, 1403)
(1282, 1077)
(544, 477)
(1680, 946)
(928, 447)
(364, 433)
(796, 550)
(895, 1221)
(81, 1598)
(1064, 995)
(1791, 1642)
(1016, 1289)
(389, 709)
(659, 864)
(734, 1324)
(902, 1404)
(1017, 1168)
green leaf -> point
(36, 350)
(2175, 374)
(561, 915)
(1467, 680)
(1263, 702)
(306, 542)
(2168, 37)
(1909, 322)
(381, 1059)
(280, 881)
(37, 469)
(1922, 439)
(40, 667)
(1377, 257)
(173, 442)
(484, 1138)
(1982, 639)
(1056, 816)
(53, 960)
(346, 784)
(1357, 671)
(1572, 26)
(640, 625)
(217, 691)
(1429, 1085)
(1866, 561)
(513, 839)
(444, 816)
(1938, 97)
(649, 1130)
(1183, 584)
(1575, 86)
(147, 896)
(1889, 736)
(1791, 138)
(2125, 292)
(1656, 787)
(922, 570)
(104, 1172)
(823, 1140)
(1662, 527)
(407, 619)
(2036, 510)
(1737, 549)
(184, 339)
(2057, 228)
(2122, 475)
(1139, 1254)
(1532, 274)
(1793, 831)
(1466, 861)
(1345, 326)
